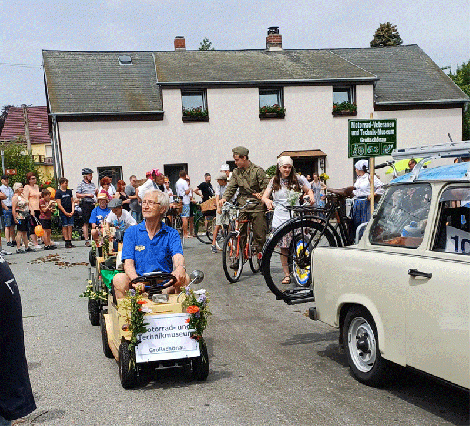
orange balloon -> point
(52, 191)
(39, 231)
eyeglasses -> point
(149, 203)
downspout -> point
(55, 149)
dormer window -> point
(125, 60)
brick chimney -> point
(273, 39)
(180, 43)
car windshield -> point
(402, 216)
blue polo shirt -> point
(154, 254)
(98, 214)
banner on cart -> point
(167, 337)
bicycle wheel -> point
(200, 231)
(178, 225)
(232, 258)
(210, 229)
(299, 239)
(253, 258)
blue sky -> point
(27, 27)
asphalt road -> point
(270, 364)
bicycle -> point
(202, 232)
(173, 219)
(234, 256)
(308, 228)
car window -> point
(402, 216)
(453, 225)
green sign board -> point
(371, 138)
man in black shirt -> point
(16, 396)
(206, 191)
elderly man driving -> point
(151, 246)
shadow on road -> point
(450, 403)
(308, 338)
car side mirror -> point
(196, 276)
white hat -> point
(224, 167)
(361, 164)
(283, 160)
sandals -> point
(286, 280)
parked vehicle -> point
(401, 295)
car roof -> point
(454, 172)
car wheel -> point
(108, 353)
(200, 365)
(127, 367)
(94, 311)
(362, 347)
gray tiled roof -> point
(254, 66)
(80, 82)
(406, 74)
(88, 82)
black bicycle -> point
(286, 257)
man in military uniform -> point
(251, 181)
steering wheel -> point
(157, 281)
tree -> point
(386, 35)
(3, 115)
(462, 79)
(205, 44)
(17, 157)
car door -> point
(437, 318)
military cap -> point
(241, 150)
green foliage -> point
(271, 171)
(276, 109)
(3, 115)
(462, 79)
(344, 106)
(205, 44)
(101, 295)
(17, 157)
(196, 305)
(386, 35)
(195, 112)
(135, 317)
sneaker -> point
(19, 250)
(213, 249)
(29, 249)
(4, 252)
(11, 244)
(87, 244)
(217, 246)
(235, 265)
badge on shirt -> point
(140, 248)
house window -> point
(271, 103)
(194, 104)
(344, 101)
(113, 172)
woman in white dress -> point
(285, 189)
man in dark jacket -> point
(16, 396)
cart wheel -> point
(92, 257)
(108, 353)
(127, 367)
(94, 311)
(200, 365)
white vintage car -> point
(401, 294)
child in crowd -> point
(46, 207)
(66, 206)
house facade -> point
(127, 112)
(30, 123)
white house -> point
(124, 111)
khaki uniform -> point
(249, 181)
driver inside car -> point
(151, 246)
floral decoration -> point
(344, 106)
(135, 312)
(195, 112)
(276, 109)
(293, 197)
(91, 294)
(195, 303)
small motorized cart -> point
(153, 330)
